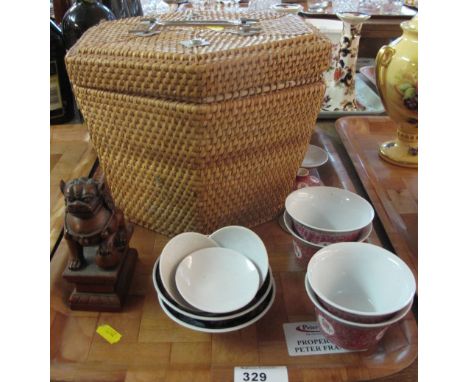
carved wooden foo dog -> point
(101, 262)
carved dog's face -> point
(83, 196)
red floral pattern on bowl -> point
(347, 334)
(322, 237)
(355, 317)
(303, 250)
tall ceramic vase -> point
(397, 81)
(341, 77)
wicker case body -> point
(195, 139)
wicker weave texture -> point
(287, 50)
(175, 167)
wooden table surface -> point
(154, 348)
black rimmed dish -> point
(259, 298)
(222, 326)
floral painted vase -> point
(397, 81)
(340, 94)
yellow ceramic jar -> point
(397, 81)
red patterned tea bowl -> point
(361, 282)
(325, 215)
(304, 250)
(351, 335)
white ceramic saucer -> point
(260, 297)
(247, 242)
(226, 326)
(315, 157)
(173, 253)
(287, 8)
(217, 280)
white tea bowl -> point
(305, 250)
(361, 282)
(348, 334)
(288, 222)
(324, 215)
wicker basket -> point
(195, 139)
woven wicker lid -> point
(287, 52)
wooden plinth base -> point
(101, 290)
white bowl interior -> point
(365, 233)
(173, 253)
(390, 321)
(217, 280)
(329, 209)
(361, 278)
(244, 241)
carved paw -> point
(121, 240)
(75, 264)
(103, 253)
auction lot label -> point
(305, 338)
(261, 374)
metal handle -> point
(247, 26)
(198, 23)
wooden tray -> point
(393, 190)
(154, 348)
(368, 73)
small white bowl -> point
(349, 334)
(224, 326)
(315, 157)
(304, 250)
(328, 214)
(247, 242)
(217, 280)
(173, 253)
(361, 280)
(287, 8)
(288, 223)
(259, 298)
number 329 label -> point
(261, 374)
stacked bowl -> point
(320, 216)
(217, 283)
(358, 290)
